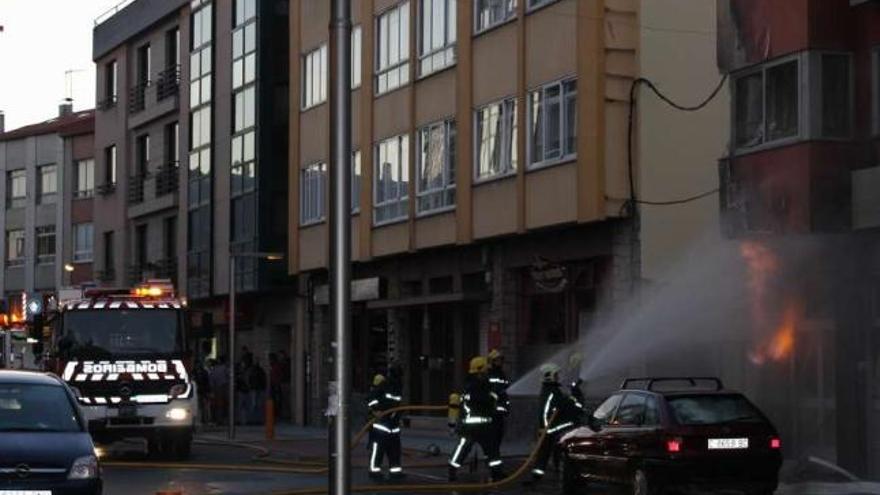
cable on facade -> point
(633, 199)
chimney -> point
(65, 108)
(2, 122)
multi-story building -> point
(191, 129)
(490, 175)
(802, 175)
(47, 230)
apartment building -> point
(45, 230)
(802, 173)
(490, 177)
(191, 134)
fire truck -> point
(125, 355)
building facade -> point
(802, 173)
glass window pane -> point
(206, 60)
(239, 111)
(383, 42)
(250, 68)
(537, 124)
(552, 123)
(394, 36)
(570, 119)
(206, 89)
(248, 148)
(205, 161)
(249, 107)
(237, 43)
(749, 110)
(236, 150)
(438, 24)
(207, 23)
(836, 96)
(250, 38)
(403, 35)
(782, 101)
(195, 69)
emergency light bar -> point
(154, 288)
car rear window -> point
(36, 408)
(713, 409)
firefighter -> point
(558, 415)
(499, 383)
(475, 422)
(385, 432)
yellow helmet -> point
(478, 365)
(495, 354)
(549, 372)
(379, 379)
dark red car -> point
(657, 434)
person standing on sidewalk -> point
(558, 415)
(385, 432)
(498, 383)
(475, 423)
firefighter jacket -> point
(499, 383)
(577, 396)
(558, 411)
(477, 404)
(381, 399)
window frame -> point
(482, 29)
(402, 169)
(20, 240)
(111, 81)
(816, 95)
(82, 256)
(357, 58)
(449, 135)
(512, 129)
(14, 201)
(322, 52)
(449, 48)
(319, 170)
(44, 197)
(403, 63)
(44, 232)
(565, 155)
(78, 191)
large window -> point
(313, 187)
(392, 46)
(143, 154)
(244, 45)
(245, 108)
(47, 183)
(437, 35)
(553, 123)
(391, 186)
(766, 104)
(490, 13)
(356, 64)
(314, 73)
(436, 167)
(200, 77)
(110, 165)
(46, 244)
(111, 82)
(16, 188)
(84, 178)
(15, 247)
(496, 128)
(83, 242)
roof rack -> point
(650, 382)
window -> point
(48, 183)
(631, 411)
(245, 10)
(496, 150)
(836, 88)
(437, 35)
(356, 65)
(200, 77)
(314, 194)
(489, 13)
(243, 166)
(83, 242)
(766, 104)
(244, 47)
(436, 167)
(202, 23)
(111, 81)
(534, 4)
(84, 178)
(172, 144)
(143, 155)
(356, 181)
(46, 244)
(144, 61)
(200, 127)
(245, 109)
(16, 188)
(553, 123)
(391, 186)
(172, 48)
(110, 165)
(15, 247)
(315, 77)
(603, 414)
(392, 45)
(713, 409)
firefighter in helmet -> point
(385, 431)
(558, 416)
(499, 383)
(475, 422)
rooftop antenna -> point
(68, 83)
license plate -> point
(126, 411)
(25, 492)
(728, 443)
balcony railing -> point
(136, 188)
(167, 178)
(169, 83)
(137, 97)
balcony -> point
(169, 83)
(137, 97)
(136, 188)
(167, 179)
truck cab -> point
(124, 353)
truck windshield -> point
(103, 333)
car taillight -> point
(673, 445)
(775, 443)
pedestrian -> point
(558, 416)
(499, 384)
(219, 379)
(478, 407)
(258, 382)
(203, 389)
(385, 431)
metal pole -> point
(340, 211)
(231, 339)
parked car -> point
(45, 447)
(657, 434)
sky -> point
(40, 41)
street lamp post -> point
(231, 339)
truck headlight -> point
(84, 468)
(177, 414)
